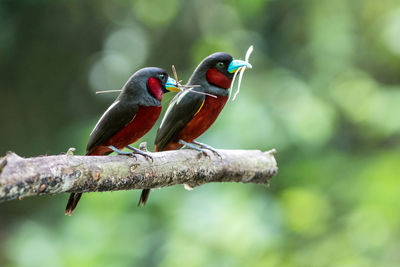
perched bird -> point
(131, 116)
(191, 114)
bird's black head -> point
(214, 69)
(218, 70)
(149, 84)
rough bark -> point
(23, 177)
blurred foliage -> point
(324, 91)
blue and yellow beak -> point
(237, 64)
(171, 85)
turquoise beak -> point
(236, 64)
(171, 85)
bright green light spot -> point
(306, 211)
(156, 12)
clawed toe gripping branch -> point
(48, 175)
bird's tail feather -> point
(72, 202)
(145, 192)
(143, 197)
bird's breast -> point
(141, 123)
(204, 118)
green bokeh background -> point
(324, 91)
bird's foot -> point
(124, 153)
(205, 146)
(140, 152)
(189, 145)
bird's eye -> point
(220, 65)
(162, 76)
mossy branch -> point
(47, 175)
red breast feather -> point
(140, 124)
(200, 122)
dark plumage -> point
(129, 117)
(190, 114)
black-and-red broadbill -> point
(131, 116)
(190, 114)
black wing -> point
(114, 119)
(180, 111)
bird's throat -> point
(155, 88)
(217, 78)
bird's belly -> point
(203, 119)
(143, 121)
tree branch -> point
(23, 177)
